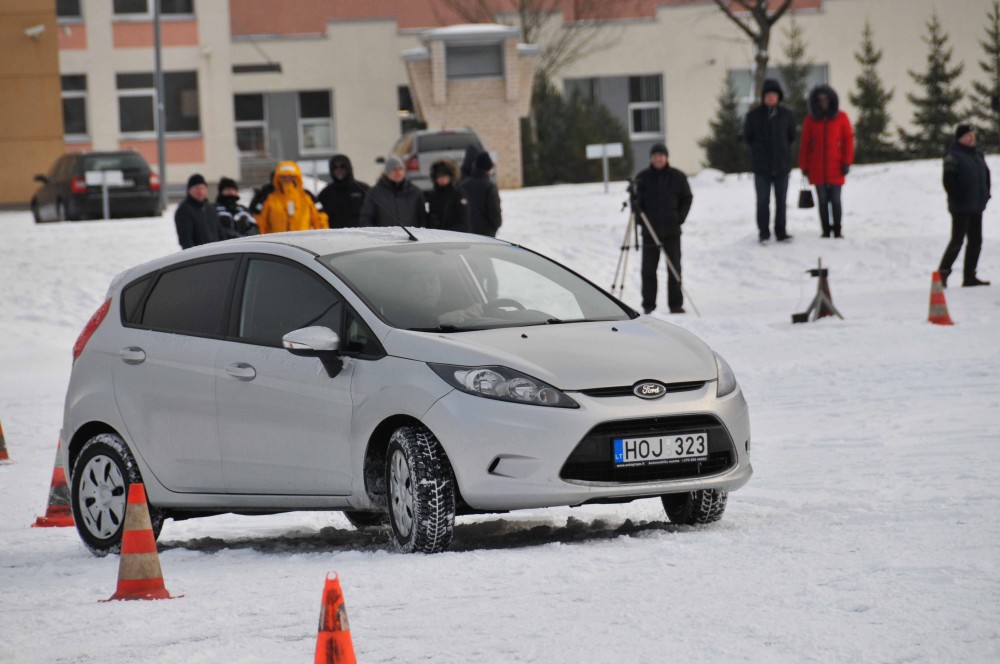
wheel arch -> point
(79, 439)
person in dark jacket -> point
(446, 209)
(260, 195)
(196, 220)
(967, 182)
(394, 200)
(234, 219)
(468, 161)
(769, 131)
(343, 197)
(663, 196)
(483, 198)
(826, 154)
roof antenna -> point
(406, 230)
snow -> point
(869, 532)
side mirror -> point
(380, 160)
(41, 178)
(316, 341)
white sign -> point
(110, 178)
(605, 150)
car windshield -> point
(453, 287)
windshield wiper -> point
(439, 328)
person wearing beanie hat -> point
(967, 182)
(234, 219)
(769, 131)
(662, 197)
(343, 197)
(195, 219)
(394, 200)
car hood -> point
(571, 356)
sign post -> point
(604, 152)
(105, 179)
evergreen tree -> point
(936, 112)
(724, 148)
(872, 142)
(795, 74)
(564, 128)
(986, 93)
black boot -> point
(836, 232)
(944, 277)
(975, 281)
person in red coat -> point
(826, 154)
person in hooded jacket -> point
(196, 220)
(468, 161)
(289, 207)
(343, 197)
(483, 198)
(394, 200)
(826, 154)
(446, 208)
(234, 219)
(769, 131)
(966, 180)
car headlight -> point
(727, 379)
(503, 384)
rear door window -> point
(191, 299)
(447, 142)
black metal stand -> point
(822, 304)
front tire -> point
(420, 491)
(695, 508)
(102, 474)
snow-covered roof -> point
(472, 33)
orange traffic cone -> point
(334, 643)
(3, 446)
(59, 514)
(939, 308)
(139, 573)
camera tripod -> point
(632, 230)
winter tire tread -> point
(433, 491)
(695, 508)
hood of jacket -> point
(443, 167)
(814, 109)
(287, 168)
(771, 85)
(350, 168)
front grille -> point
(592, 460)
(626, 390)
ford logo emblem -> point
(649, 389)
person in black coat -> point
(769, 131)
(663, 196)
(343, 197)
(446, 208)
(967, 182)
(483, 198)
(394, 200)
(196, 220)
(234, 219)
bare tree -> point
(755, 18)
(584, 31)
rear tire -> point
(365, 520)
(60, 211)
(102, 474)
(695, 507)
(420, 491)
(35, 213)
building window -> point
(251, 124)
(74, 105)
(407, 110)
(645, 107)
(137, 102)
(473, 61)
(68, 10)
(144, 8)
(741, 81)
(315, 122)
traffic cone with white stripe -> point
(139, 573)
(3, 446)
(939, 307)
(333, 646)
(58, 514)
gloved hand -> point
(846, 168)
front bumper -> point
(513, 456)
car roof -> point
(340, 240)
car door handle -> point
(242, 371)
(132, 355)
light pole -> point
(160, 121)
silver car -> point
(403, 382)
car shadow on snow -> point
(494, 534)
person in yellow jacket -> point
(289, 207)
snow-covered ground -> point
(869, 533)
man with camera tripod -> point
(663, 195)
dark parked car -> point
(66, 196)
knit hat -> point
(659, 148)
(195, 180)
(227, 183)
(392, 162)
(772, 85)
(483, 162)
(961, 130)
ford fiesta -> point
(401, 380)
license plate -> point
(654, 450)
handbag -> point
(805, 196)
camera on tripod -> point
(633, 196)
